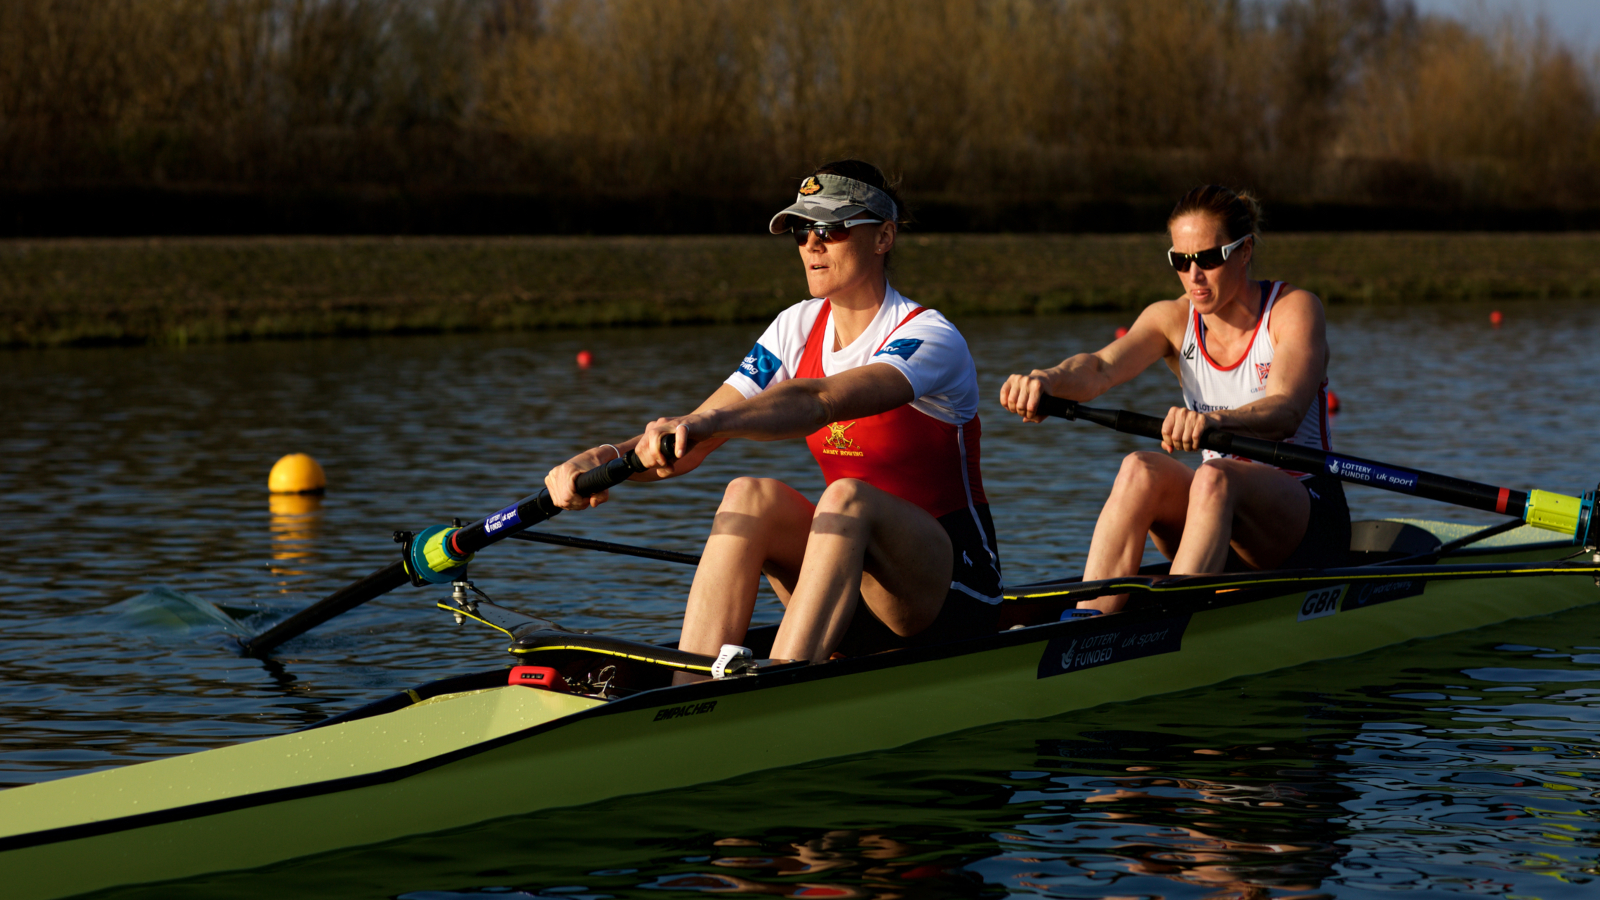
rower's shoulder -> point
(928, 317)
(1171, 317)
(905, 313)
(1296, 303)
(1289, 293)
(1298, 319)
(801, 314)
(930, 326)
(1176, 310)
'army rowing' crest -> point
(810, 186)
(836, 439)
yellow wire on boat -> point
(688, 667)
(463, 611)
(1291, 580)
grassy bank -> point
(181, 290)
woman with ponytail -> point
(1251, 358)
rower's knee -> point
(752, 496)
(1140, 472)
(1212, 487)
(847, 496)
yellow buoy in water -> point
(297, 473)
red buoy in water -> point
(1333, 402)
(1122, 331)
(1495, 318)
(585, 359)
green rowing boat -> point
(477, 747)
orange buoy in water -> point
(585, 359)
(1333, 402)
(1122, 331)
(297, 473)
(1495, 318)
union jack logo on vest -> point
(1262, 371)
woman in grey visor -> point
(885, 394)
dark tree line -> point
(634, 105)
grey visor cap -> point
(835, 198)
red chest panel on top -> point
(903, 451)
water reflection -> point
(295, 520)
(876, 864)
(1174, 837)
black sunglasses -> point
(827, 232)
(1205, 259)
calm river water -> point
(139, 536)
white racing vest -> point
(1209, 386)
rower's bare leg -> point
(762, 525)
(1150, 497)
(866, 545)
(1262, 512)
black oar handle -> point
(1354, 469)
(532, 510)
(520, 516)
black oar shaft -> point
(567, 540)
(343, 600)
(1470, 494)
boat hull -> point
(465, 758)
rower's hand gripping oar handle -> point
(1575, 516)
(609, 475)
(436, 555)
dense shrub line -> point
(1346, 101)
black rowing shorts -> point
(962, 616)
(1327, 540)
(975, 567)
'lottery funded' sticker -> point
(1367, 473)
(1103, 646)
(505, 518)
(1383, 592)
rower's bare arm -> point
(1088, 375)
(560, 480)
(1299, 366)
(794, 408)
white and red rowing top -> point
(926, 451)
(1209, 386)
